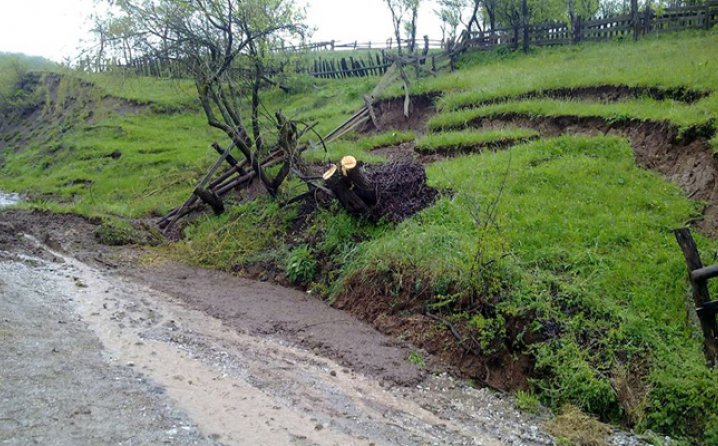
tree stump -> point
(335, 181)
(358, 182)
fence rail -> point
(334, 45)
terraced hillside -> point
(547, 264)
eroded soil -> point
(104, 350)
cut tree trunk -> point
(358, 182)
(335, 181)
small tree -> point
(222, 45)
(449, 13)
(399, 10)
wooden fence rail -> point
(622, 26)
(633, 25)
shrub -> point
(301, 265)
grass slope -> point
(449, 142)
(579, 249)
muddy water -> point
(8, 199)
(206, 383)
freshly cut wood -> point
(330, 172)
(335, 181)
(347, 163)
(358, 182)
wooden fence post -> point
(525, 19)
(707, 16)
(577, 30)
(698, 277)
(634, 19)
(648, 16)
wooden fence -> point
(334, 45)
(369, 65)
(622, 26)
(633, 25)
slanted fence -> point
(370, 65)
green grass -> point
(686, 59)
(162, 156)
(170, 94)
(360, 147)
(678, 113)
(582, 240)
(580, 246)
(469, 139)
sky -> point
(55, 28)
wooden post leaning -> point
(698, 275)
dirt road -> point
(101, 355)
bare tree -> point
(221, 44)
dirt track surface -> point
(96, 354)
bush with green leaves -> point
(301, 265)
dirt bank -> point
(196, 357)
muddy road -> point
(97, 349)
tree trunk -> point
(349, 200)
(358, 182)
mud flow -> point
(98, 354)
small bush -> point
(416, 359)
(301, 265)
(527, 401)
(115, 232)
(576, 428)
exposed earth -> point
(111, 346)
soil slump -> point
(192, 378)
(686, 160)
(390, 114)
(684, 157)
(606, 93)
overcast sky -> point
(54, 28)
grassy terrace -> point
(565, 235)
(360, 147)
(680, 114)
(655, 62)
(456, 142)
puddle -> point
(9, 199)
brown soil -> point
(390, 114)
(98, 354)
(400, 153)
(263, 309)
(401, 190)
(450, 152)
(608, 93)
(403, 316)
